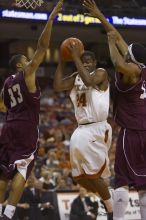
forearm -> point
(116, 57)
(44, 39)
(85, 76)
(58, 77)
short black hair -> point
(89, 53)
(14, 60)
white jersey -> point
(90, 104)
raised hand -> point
(91, 6)
(56, 10)
(74, 48)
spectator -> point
(82, 208)
(47, 180)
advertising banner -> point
(65, 200)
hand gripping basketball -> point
(64, 48)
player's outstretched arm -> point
(62, 83)
(94, 11)
(42, 46)
(130, 69)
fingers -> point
(60, 2)
(56, 9)
(88, 4)
(88, 14)
(91, 6)
(59, 5)
(73, 45)
(69, 46)
(93, 2)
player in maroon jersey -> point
(129, 113)
(18, 141)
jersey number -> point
(18, 97)
(81, 100)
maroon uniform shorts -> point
(130, 162)
(18, 148)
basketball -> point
(65, 52)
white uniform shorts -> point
(89, 147)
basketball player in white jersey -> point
(90, 142)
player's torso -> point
(90, 104)
(19, 102)
(130, 103)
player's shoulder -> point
(7, 80)
(14, 78)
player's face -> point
(24, 61)
(89, 63)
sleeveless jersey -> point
(90, 104)
(130, 103)
(21, 104)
